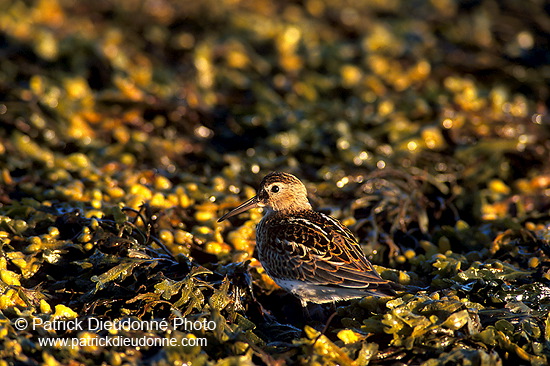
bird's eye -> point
(275, 189)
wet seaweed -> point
(128, 128)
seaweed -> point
(128, 128)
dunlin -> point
(307, 253)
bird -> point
(308, 253)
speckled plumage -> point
(308, 253)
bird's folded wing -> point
(318, 249)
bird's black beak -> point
(251, 203)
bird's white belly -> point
(319, 293)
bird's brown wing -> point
(316, 248)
